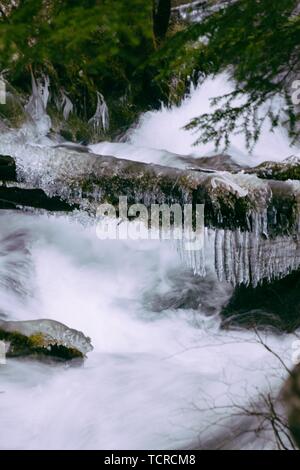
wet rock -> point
(15, 198)
(189, 291)
(73, 146)
(43, 338)
(271, 304)
(7, 168)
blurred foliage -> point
(83, 45)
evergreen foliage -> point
(119, 49)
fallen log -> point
(233, 200)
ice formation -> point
(37, 104)
(100, 120)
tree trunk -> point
(161, 18)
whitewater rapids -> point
(158, 367)
(160, 136)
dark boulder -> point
(7, 168)
(275, 304)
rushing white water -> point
(160, 361)
(163, 131)
(162, 374)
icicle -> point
(43, 90)
(67, 106)
(228, 256)
(37, 104)
(219, 253)
(100, 120)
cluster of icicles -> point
(39, 99)
(244, 257)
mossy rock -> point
(43, 338)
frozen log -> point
(232, 199)
(255, 220)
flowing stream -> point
(162, 374)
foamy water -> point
(155, 373)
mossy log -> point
(232, 199)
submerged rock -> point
(270, 304)
(189, 291)
(40, 338)
(232, 199)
